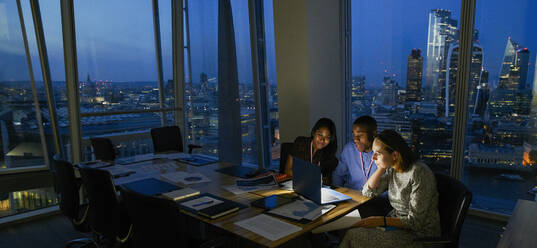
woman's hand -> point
(372, 221)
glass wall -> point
(401, 57)
(202, 87)
(19, 129)
(501, 137)
(20, 142)
(117, 69)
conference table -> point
(227, 222)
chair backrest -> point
(167, 139)
(454, 200)
(156, 221)
(103, 149)
(285, 150)
(104, 209)
(67, 188)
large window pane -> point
(501, 140)
(272, 83)
(201, 93)
(117, 70)
(19, 130)
(400, 71)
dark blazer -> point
(328, 162)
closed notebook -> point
(180, 194)
(218, 210)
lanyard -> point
(311, 154)
(363, 168)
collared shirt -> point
(349, 171)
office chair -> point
(167, 139)
(156, 221)
(68, 190)
(453, 202)
(103, 149)
(108, 218)
(285, 150)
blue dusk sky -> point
(115, 40)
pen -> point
(202, 203)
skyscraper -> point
(451, 83)
(508, 57)
(442, 32)
(389, 92)
(483, 93)
(414, 73)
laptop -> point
(307, 181)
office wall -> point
(309, 66)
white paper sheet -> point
(268, 227)
(341, 223)
(185, 177)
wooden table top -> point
(227, 222)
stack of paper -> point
(180, 194)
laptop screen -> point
(307, 179)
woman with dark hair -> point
(320, 149)
(411, 187)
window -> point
(118, 72)
(19, 128)
(400, 57)
(501, 140)
(202, 85)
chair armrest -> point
(433, 241)
(192, 147)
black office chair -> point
(453, 202)
(108, 218)
(285, 150)
(68, 190)
(103, 149)
(156, 221)
(168, 139)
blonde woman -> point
(411, 187)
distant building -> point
(389, 92)
(414, 76)
(496, 157)
(451, 82)
(442, 32)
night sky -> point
(115, 40)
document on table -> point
(201, 203)
(341, 223)
(172, 156)
(133, 178)
(268, 227)
(237, 190)
(302, 209)
(150, 166)
(185, 177)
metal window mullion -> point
(45, 70)
(463, 77)
(346, 26)
(71, 78)
(178, 64)
(257, 43)
(34, 90)
(189, 66)
(158, 53)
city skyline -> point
(379, 53)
